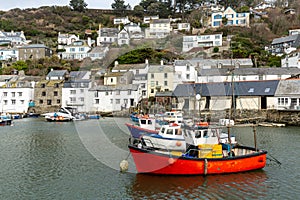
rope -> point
(273, 159)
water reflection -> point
(237, 186)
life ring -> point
(178, 143)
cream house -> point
(160, 79)
(159, 28)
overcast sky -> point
(104, 4)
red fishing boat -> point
(200, 158)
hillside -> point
(42, 25)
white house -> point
(232, 18)
(16, 93)
(135, 31)
(185, 71)
(147, 19)
(109, 98)
(123, 37)
(75, 92)
(121, 20)
(207, 40)
(291, 60)
(66, 39)
(107, 36)
(184, 27)
(9, 54)
(13, 38)
(77, 50)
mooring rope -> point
(273, 159)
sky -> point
(101, 4)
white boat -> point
(63, 114)
(173, 137)
(169, 137)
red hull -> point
(147, 161)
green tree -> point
(119, 5)
(78, 5)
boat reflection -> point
(250, 185)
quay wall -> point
(288, 117)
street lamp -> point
(198, 97)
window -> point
(81, 99)
(152, 91)
(58, 101)
(117, 92)
(267, 90)
(5, 94)
(251, 90)
(166, 75)
(72, 99)
(170, 131)
(55, 93)
(49, 102)
(187, 68)
(72, 91)
(41, 101)
(117, 101)
(43, 85)
(97, 101)
(129, 92)
(166, 83)
(106, 93)
(43, 93)
(13, 94)
(81, 90)
(96, 94)
(20, 94)
(13, 101)
(5, 102)
(152, 75)
(188, 76)
(56, 85)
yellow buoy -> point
(123, 165)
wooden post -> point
(254, 132)
(229, 139)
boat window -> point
(185, 133)
(149, 122)
(170, 131)
(197, 134)
(205, 133)
(143, 121)
(162, 130)
(178, 131)
(213, 133)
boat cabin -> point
(173, 117)
(147, 123)
(196, 135)
(172, 130)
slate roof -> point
(225, 62)
(57, 73)
(289, 87)
(160, 68)
(250, 71)
(242, 88)
(115, 87)
(129, 66)
(34, 46)
(285, 39)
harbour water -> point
(80, 160)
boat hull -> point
(149, 161)
(138, 132)
(57, 119)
